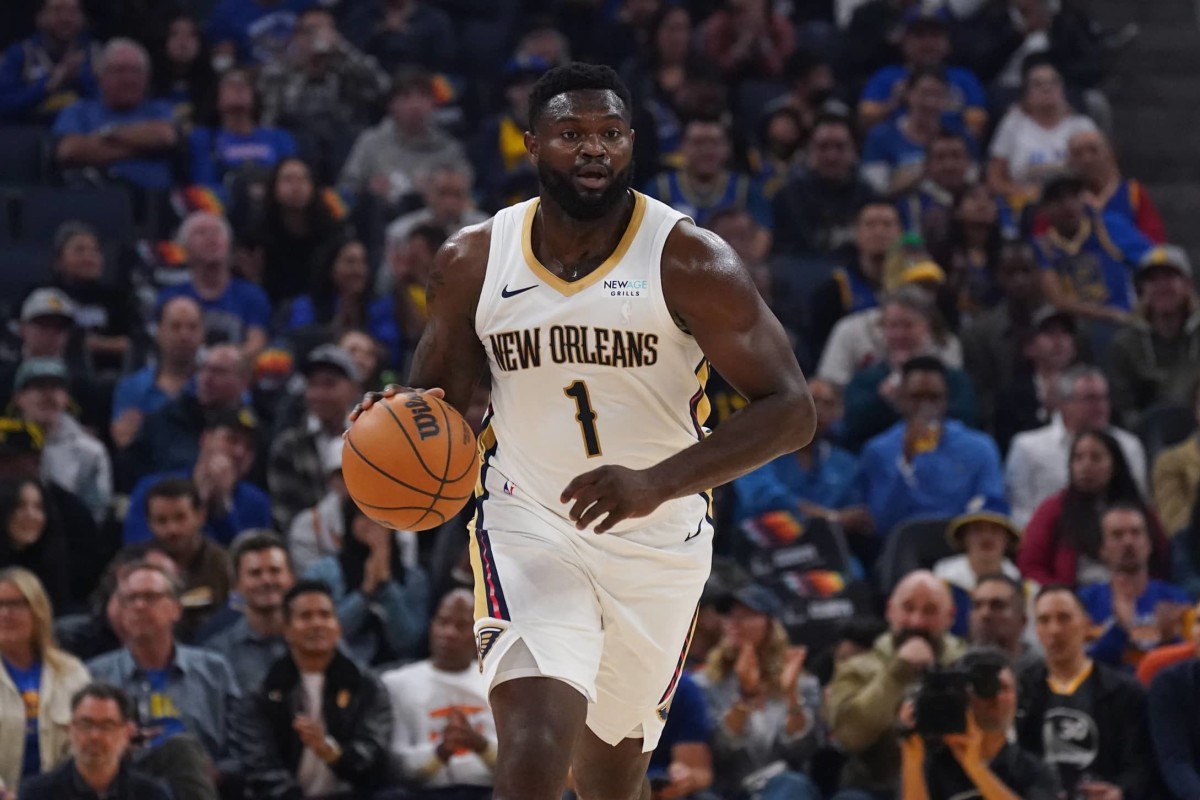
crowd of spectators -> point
(217, 223)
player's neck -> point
(562, 240)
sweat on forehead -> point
(583, 102)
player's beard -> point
(559, 188)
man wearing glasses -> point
(183, 696)
(101, 729)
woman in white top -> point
(37, 680)
(1031, 141)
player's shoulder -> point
(693, 250)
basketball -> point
(410, 462)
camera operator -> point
(867, 690)
(979, 698)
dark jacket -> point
(1124, 756)
(1175, 727)
(64, 783)
(357, 714)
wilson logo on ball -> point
(423, 418)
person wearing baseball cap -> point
(1049, 346)
(294, 472)
(986, 538)
(47, 318)
(1156, 360)
(759, 694)
(72, 457)
(1088, 257)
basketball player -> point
(596, 311)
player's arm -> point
(449, 357)
(710, 291)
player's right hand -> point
(391, 390)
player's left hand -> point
(619, 492)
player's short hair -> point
(576, 77)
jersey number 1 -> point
(585, 416)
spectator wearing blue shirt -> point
(179, 334)
(254, 31)
(1135, 612)
(894, 153)
(819, 479)
(238, 144)
(235, 310)
(705, 183)
(925, 42)
(231, 503)
(926, 210)
(50, 70)
(1087, 258)
(121, 132)
(926, 465)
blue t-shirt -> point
(687, 723)
(739, 191)
(966, 92)
(1115, 645)
(139, 390)
(261, 31)
(1098, 266)
(29, 685)
(88, 116)
(228, 318)
(783, 483)
(156, 709)
(215, 152)
(888, 145)
(251, 509)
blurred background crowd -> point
(216, 222)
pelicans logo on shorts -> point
(485, 639)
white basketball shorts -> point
(610, 614)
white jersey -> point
(590, 372)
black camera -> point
(941, 703)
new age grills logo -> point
(626, 288)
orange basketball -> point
(410, 462)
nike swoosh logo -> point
(506, 293)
